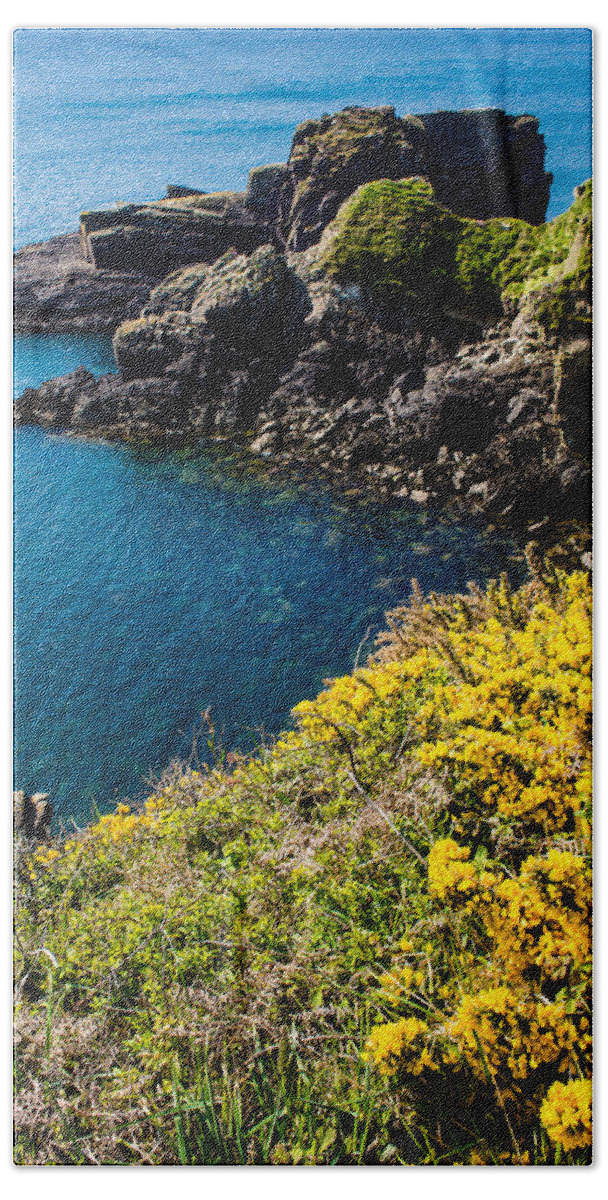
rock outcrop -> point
(157, 237)
(429, 344)
(480, 164)
(57, 291)
(32, 817)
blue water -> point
(149, 587)
(103, 115)
(37, 358)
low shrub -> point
(367, 943)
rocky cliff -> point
(56, 290)
(479, 163)
(387, 306)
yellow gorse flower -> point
(450, 875)
(513, 737)
(522, 713)
(566, 1113)
(396, 1043)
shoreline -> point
(449, 365)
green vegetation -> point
(394, 241)
(317, 954)
(399, 245)
(344, 136)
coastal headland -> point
(388, 306)
(369, 941)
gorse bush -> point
(369, 943)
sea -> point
(152, 589)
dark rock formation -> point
(32, 816)
(177, 191)
(206, 357)
(156, 238)
(480, 163)
(495, 425)
(264, 190)
(478, 431)
(57, 291)
(452, 370)
(486, 164)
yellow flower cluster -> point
(43, 856)
(513, 733)
(521, 714)
(349, 697)
(566, 1113)
(450, 875)
(539, 924)
(395, 983)
(119, 828)
(399, 1044)
(496, 1030)
(541, 921)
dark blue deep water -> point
(149, 587)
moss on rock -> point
(397, 243)
(393, 239)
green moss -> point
(560, 298)
(397, 243)
(393, 239)
(491, 255)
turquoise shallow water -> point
(36, 358)
(149, 587)
(105, 115)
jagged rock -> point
(209, 322)
(177, 191)
(480, 163)
(449, 370)
(483, 163)
(57, 291)
(331, 157)
(32, 816)
(264, 188)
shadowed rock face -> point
(486, 164)
(57, 291)
(158, 237)
(32, 816)
(225, 330)
(480, 163)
